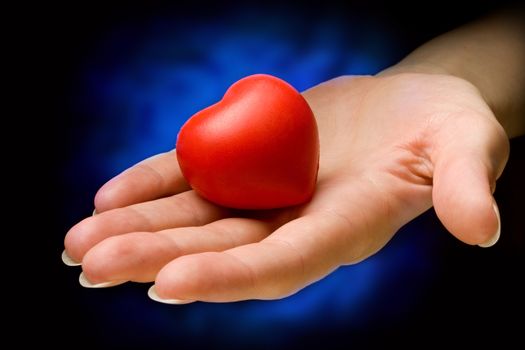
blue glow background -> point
(133, 82)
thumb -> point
(465, 173)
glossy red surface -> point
(257, 148)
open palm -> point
(391, 147)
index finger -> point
(152, 178)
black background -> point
(478, 293)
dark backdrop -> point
(123, 79)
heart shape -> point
(257, 148)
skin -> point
(418, 135)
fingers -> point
(153, 178)
(466, 169)
(139, 256)
(185, 209)
(297, 254)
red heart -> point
(257, 148)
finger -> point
(465, 173)
(184, 209)
(139, 256)
(297, 254)
(155, 177)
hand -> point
(391, 147)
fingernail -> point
(84, 282)
(152, 293)
(494, 239)
(94, 212)
(68, 261)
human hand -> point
(391, 147)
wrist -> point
(414, 67)
(489, 54)
(508, 114)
